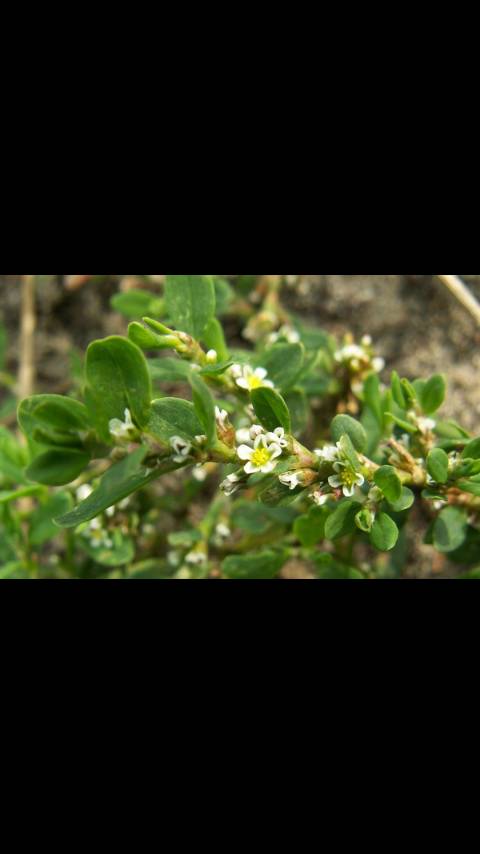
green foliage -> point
(117, 379)
(230, 464)
(384, 533)
(433, 394)
(266, 564)
(271, 409)
(190, 303)
(388, 481)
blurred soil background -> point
(416, 324)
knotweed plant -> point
(301, 453)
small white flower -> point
(173, 558)
(346, 479)
(110, 511)
(122, 430)
(351, 351)
(378, 364)
(201, 440)
(123, 504)
(320, 498)
(251, 379)
(329, 453)
(221, 417)
(223, 531)
(236, 371)
(199, 473)
(366, 341)
(255, 431)
(278, 437)
(196, 558)
(290, 479)
(231, 484)
(261, 458)
(242, 436)
(212, 357)
(426, 424)
(181, 447)
(95, 524)
(83, 491)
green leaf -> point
(204, 408)
(120, 481)
(450, 430)
(405, 425)
(384, 533)
(171, 416)
(328, 568)
(299, 409)
(266, 564)
(256, 518)
(373, 398)
(405, 501)
(215, 370)
(469, 486)
(348, 452)
(437, 465)
(117, 379)
(449, 529)
(397, 391)
(135, 303)
(146, 339)
(224, 296)
(42, 527)
(345, 424)
(433, 394)
(388, 481)
(364, 520)
(373, 430)
(283, 362)
(13, 495)
(342, 520)
(409, 391)
(472, 450)
(271, 409)
(59, 420)
(190, 302)
(57, 467)
(310, 528)
(169, 370)
(214, 339)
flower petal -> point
(244, 452)
(335, 481)
(268, 467)
(250, 468)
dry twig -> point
(462, 293)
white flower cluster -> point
(286, 332)
(357, 357)
(267, 447)
(123, 431)
(97, 536)
(250, 379)
(181, 447)
(346, 478)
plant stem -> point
(462, 293)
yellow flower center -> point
(254, 382)
(349, 477)
(260, 457)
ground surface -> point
(416, 325)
